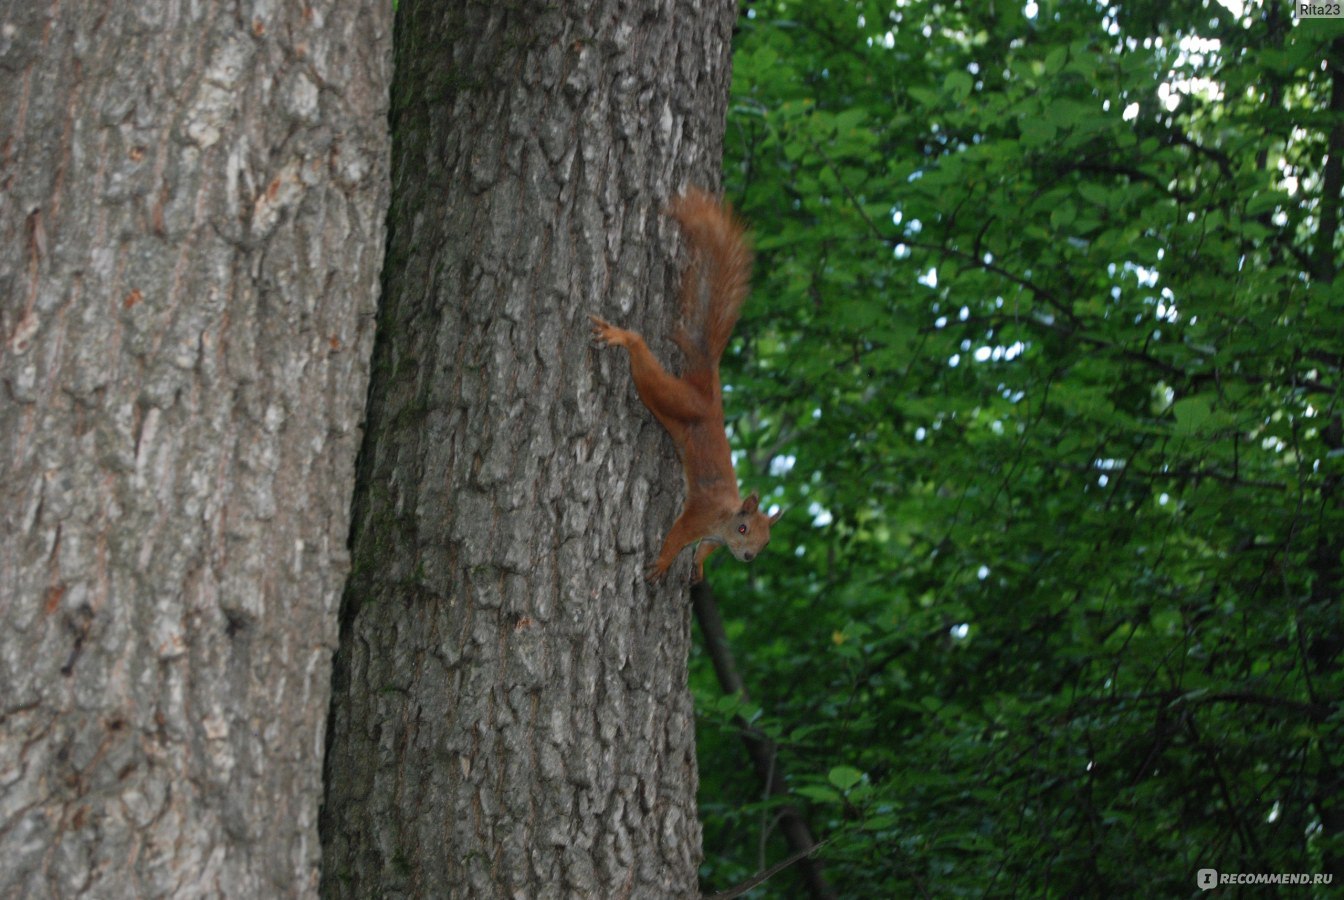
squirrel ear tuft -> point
(749, 505)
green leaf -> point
(959, 84)
(1265, 202)
(844, 777)
(816, 792)
(925, 97)
(1094, 193)
(1191, 413)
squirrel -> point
(713, 288)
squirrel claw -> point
(602, 330)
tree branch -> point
(1332, 178)
(762, 752)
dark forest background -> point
(1044, 361)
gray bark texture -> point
(193, 201)
(510, 714)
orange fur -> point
(690, 407)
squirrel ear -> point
(749, 505)
(775, 518)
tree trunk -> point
(511, 716)
(192, 206)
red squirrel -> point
(713, 288)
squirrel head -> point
(748, 530)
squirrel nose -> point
(748, 556)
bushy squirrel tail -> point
(716, 280)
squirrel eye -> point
(742, 529)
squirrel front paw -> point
(602, 331)
(606, 334)
(655, 573)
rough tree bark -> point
(192, 208)
(510, 716)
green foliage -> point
(1044, 360)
